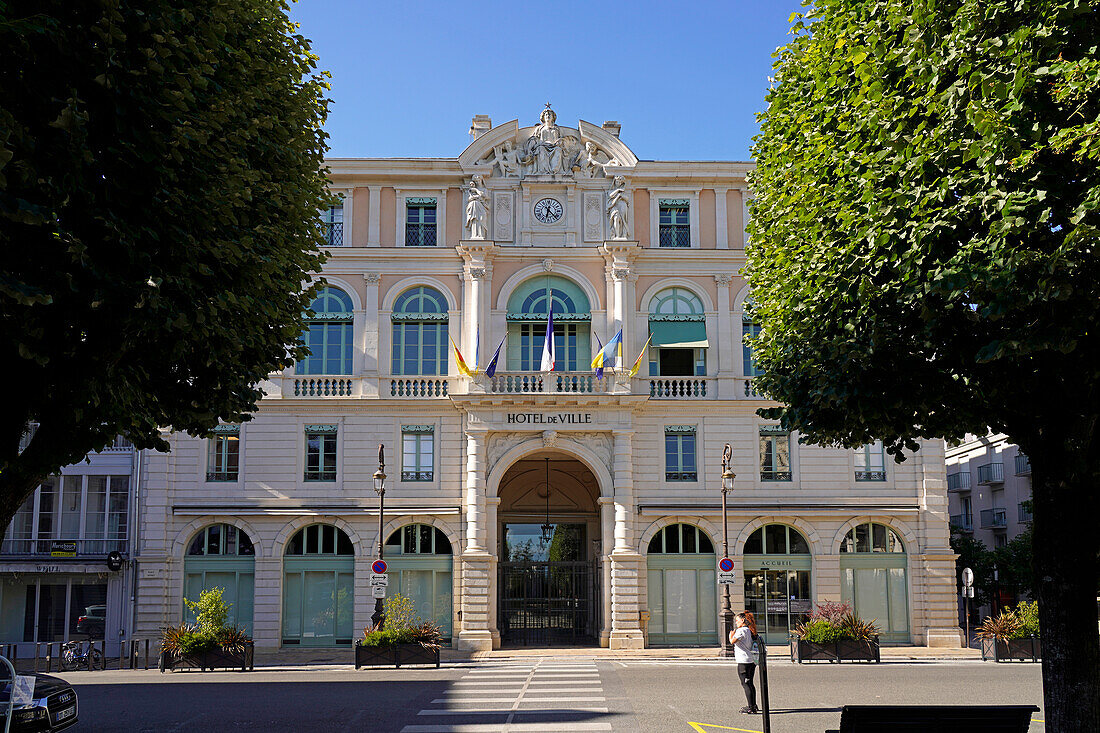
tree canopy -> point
(161, 171)
(923, 258)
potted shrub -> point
(209, 643)
(833, 633)
(404, 638)
(1012, 635)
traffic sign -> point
(725, 565)
(378, 591)
(727, 578)
(379, 566)
(379, 579)
(968, 577)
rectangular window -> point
(224, 454)
(678, 362)
(566, 346)
(320, 453)
(674, 226)
(417, 452)
(775, 454)
(748, 330)
(680, 453)
(870, 463)
(332, 225)
(420, 222)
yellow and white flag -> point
(638, 361)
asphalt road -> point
(527, 695)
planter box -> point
(842, 650)
(1028, 649)
(395, 654)
(213, 659)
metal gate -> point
(549, 603)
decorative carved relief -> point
(723, 278)
(499, 444)
(502, 216)
(372, 278)
(547, 264)
(547, 151)
(593, 217)
(598, 443)
(549, 438)
(477, 273)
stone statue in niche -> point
(618, 210)
(477, 208)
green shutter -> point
(679, 334)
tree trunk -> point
(1065, 475)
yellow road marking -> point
(699, 727)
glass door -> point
(780, 600)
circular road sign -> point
(379, 566)
(725, 565)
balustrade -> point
(419, 387)
(548, 383)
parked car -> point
(93, 622)
(53, 706)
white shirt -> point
(742, 646)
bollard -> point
(36, 657)
(766, 709)
(146, 654)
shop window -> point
(224, 454)
(320, 539)
(220, 540)
(776, 539)
(417, 452)
(870, 462)
(222, 556)
(420, 222)
(328, 334)
(418, 539)
(420, 333)
(872, 537)
(320, 453)
(680, 453)
(775, 454)
(680, 539)
(674, 223)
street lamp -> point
(379, 615)
(727, 612)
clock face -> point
(548, 210)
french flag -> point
(548, 342)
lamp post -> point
(379, 615)
(727, 611)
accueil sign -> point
(549, 418)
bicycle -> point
(73, 656)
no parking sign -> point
(726, 575)
(379, 566)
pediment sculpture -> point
(548, 150)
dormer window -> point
(420, 222)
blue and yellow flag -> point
(608, 357)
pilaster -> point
(626, 564)
(374, 212)
(727, 379)
(621, 276)
(367, 339)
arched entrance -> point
(777, 580)
(548, 588)
(318, 587)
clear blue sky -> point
(684, 79)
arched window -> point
(329, 334)
(776, 539)
(420, 333)
(528, 307)
(872, 537)
(318, 587)
(683, 604)
(678, 334)
(777, 566)
(680, 539)
(419, 556)
(222, 556)
(873, 578)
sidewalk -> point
(310, 657)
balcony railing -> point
(991, 473)
(958, 481)
(870, 475)
(994, 518)
(675, 235)
(219, 476)
(965, 522)
(775, 475)
(1023, 465)
(322, 387)
(679, 388)
(420, 235)
(62, 547)
(119, 445)
(333, 232)
(749, 390)
(419, 387)
(1025, 513)
(681, 476)
(547, 383)
(417, 475)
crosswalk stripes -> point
(536, 697)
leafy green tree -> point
(161, 171)
(924, 260)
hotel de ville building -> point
(523, 506)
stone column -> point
(492, 547)
(607, 544)
(477, 278)
(618, 258)
(626, 563)
(477, 563)
(367, 341)
(725, 342)
(933, 569)
(267, 605)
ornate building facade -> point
(523, 506)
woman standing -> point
(742, 639)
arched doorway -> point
(873, 578)
(683, 601)
(222, 556)
(318, 587)
(549, 549)
(420, 560)
(777, 580)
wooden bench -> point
(938, 718)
